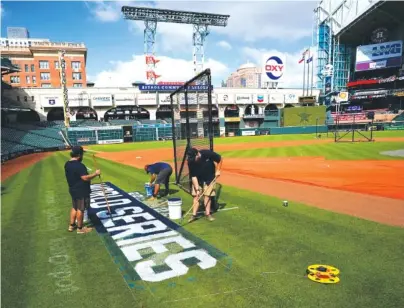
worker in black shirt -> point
(79, 182)
(204, 166)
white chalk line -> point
(221, 210)
(211, 294)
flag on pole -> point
(303, 55)
(309, 59)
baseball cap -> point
(192, 154)
(77, 151)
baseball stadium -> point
(308, 203)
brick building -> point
(38, 61)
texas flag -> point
(303, 56)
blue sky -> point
(115, 45)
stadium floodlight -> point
(151, 16)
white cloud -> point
(224, 45)
(124, 73)
(249, 21)
(104, 11)
(293, 77)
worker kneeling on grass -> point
(160, 174)
(204, 166)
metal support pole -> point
(62, 64)
(199, 36)
(149, 43)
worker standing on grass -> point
(79, 182)
(160, 174)
(204, 166)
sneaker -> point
(210, 217)
(193, 218)
(84, 230)
(72, 228)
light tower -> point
(200, 22)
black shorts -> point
(164, 176)
(81, 204)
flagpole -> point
(312, 75)
(304, 72)
(308, 72)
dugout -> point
(232, 120)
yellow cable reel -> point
(323, 273)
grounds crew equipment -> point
(323, 273)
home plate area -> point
(152, 252)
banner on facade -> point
(146, 99)
(244, 99)
(101, 100)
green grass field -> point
(268, 246)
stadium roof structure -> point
(7, 67)
(384, 14)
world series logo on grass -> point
(154, 246)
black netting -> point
(191, 104)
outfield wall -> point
(119, 134)
(304, 116)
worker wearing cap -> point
(204, 166)
(160, 174)
(79, 182)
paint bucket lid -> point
(175, 200)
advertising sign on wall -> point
(101, 100)
(276, 98)
(260, 99)
(146, 99)
(243, 98)
(110, 141)
(273, 67)
(291, 98)
(127, 99)
(78, 100)
(51, 101)
(164, 99)
(376, 56)
(225, 98)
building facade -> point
(246, 76)
(38, 60)
(232, 108)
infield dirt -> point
(372, 190)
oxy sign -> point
(273, 67)
(145, 237)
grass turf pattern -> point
(43, 265)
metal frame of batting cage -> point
(185, 89)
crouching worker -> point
(204, 166)
(79, 182)
(160, 174)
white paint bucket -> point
(174, 208)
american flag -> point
(303, 55)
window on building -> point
(76, 65)
(32, 67)
(25, 98)
(45, 76)
(57, 64)
(46, 85)
(43, 65)
(26, 67)
(33, 98)
(33, 79)
(15, 79)
(77, 85)
(27, 79)
(76, 76)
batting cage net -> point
(192, 105)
